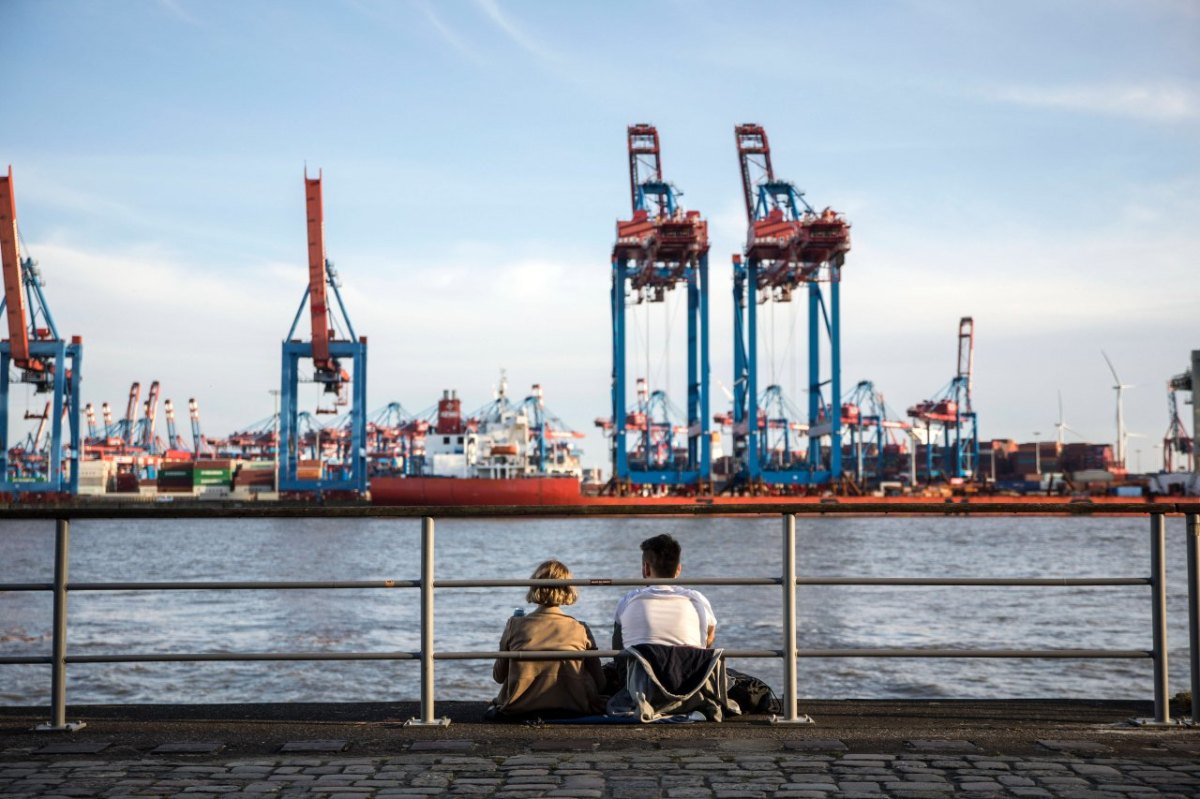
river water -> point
(472, 619)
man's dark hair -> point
(662, 553)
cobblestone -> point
(731, 773)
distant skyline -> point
(1034, 165)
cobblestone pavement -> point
(620, 775)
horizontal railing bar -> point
(591, 653)
(284, 510)
(583, 655)
(824, 653)
(615, 582)
(977, 653)
(320, 585)
(19, 660)
(1056, 582)
(246, 585)
(219, 657)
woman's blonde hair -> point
(551, 595)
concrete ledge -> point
(1012, 727)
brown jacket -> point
(528, 686)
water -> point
(472, 619)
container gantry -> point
(788, 246)
(327, 352)
(1179, 448)
(951, 414)
(43, 358)
(553, 442)
(146, 438)
(863, 410)
(661, 248)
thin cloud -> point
(449, 35)
(518, 36)
(1160, 103)
(176, 9)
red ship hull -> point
(533, 492)
(441, 491)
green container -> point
(212, 477)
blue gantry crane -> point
(950, 416)
(661, 248)
(43, 359)
(789, 246)
(333, 342)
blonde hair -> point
(551, 595)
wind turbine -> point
(1119, 388)
(1061, 425)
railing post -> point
(427, 561)
(791, 714)
(1193, 600)
(58, 666)
(1158, 584)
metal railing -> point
(788, 581)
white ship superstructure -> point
(503, 441)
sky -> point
(1033, 165)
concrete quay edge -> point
(1024, 728)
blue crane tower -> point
(661, 248)
(44, 359)
(789, 246)
(950, 415)
(333, 341)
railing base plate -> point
(803, 718)
(70, 726)
(1149, 722)
(442, 722)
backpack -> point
(752, 694)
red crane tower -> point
(327, 349)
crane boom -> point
(645, 168)
(150, 413)
(966, 355)
(14, 294)
(754, 154)
(317, 276)
(135, 391)
(90, 414)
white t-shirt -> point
(665, 614)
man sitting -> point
(668, 667)
(672, 615)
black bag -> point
(752, 694)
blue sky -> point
(1032, 164)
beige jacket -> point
(528, 686)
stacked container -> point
(176, 477)
(213, 478)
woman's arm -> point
(500, 669)
(592, 665)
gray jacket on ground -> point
(665, 681)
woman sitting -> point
(547, 688)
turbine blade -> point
(1111, 368)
